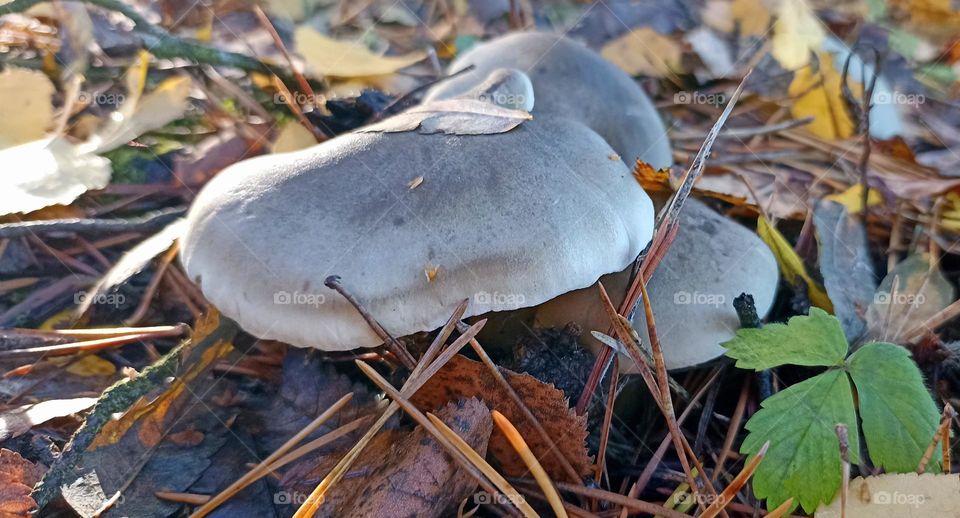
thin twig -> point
(392, 344)
(738, 482)
(146, 223)
(942, 431)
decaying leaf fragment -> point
(17, 478)
(453, 117)
(904, 494)
(463, 378)
(409, 473)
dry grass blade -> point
(263, 467)
(106, 332)
(421, 373)
(665, 230)
(738, 482)
(505, 488)
(319, 442)
(634, 505)
(471, 468)
(516, 440)
(942, 431)
(733, 429)
(844, 440)
(88, 345)
(781, 509)
(665, 401)
(622, 328)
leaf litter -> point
(181, 432)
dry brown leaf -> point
(644, 52)
(453, 117)
(463, 378)
(27, 108)
(17, 478)
(905, 494)
(407, 473)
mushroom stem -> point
(393, 345)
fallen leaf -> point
(463, 378)
(796, 33)
(898, 494)
(845, 265)
(453, 117)
(47, 172)
(17, 478)
(644, 52)
(910, 294)
(415, 183)
(293, 137)
(852, 198)
(160, 107)
(91, 365)
(818, 95)
(751, 16)
(18, 421)
(330, 57)
(27, 109)
(409, 473)
(790, 263)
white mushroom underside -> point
(508, 220)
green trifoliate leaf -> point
(813, 340)
(804, 457)
(899, 416)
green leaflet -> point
(813, 340)
(804, 459)
(899, 416)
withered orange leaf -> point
(17, 478)
(463, 378)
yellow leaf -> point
(27, 110)
(330, 57)
(752, 17)
(818, 94)
(791, 265)
(644, 52)
(796, 33)
(950, 217)
(293, 136)
(852, 198)
(92, 366)
(58, 321)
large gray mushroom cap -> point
(570, 80)
(507, 220)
